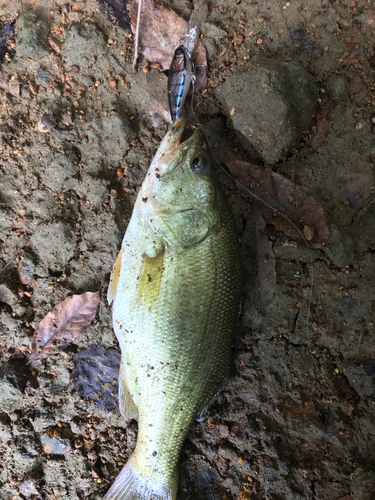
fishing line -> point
(137, 34)
(200, 125)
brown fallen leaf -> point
(302, 410)
(160, 33)
(116, 12)
(289, 199)
(63, 324)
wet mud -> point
(78, 129)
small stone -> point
(10, 397)
(43, 77)
(46, 123)
(259, 41)
(26, 269)
(341, 248)
(73, 69)
(54, 446)
(14, 86)
(27, 489)
(67, 119)
(55, 46)
(6, 296)
(238, 39)
(112, 83)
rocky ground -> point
(78, 130)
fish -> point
(175, 293)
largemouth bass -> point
(174, 289)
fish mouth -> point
(171, 152)
(180, 133)
(172, 146)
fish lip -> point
(171, 147)
(174, 137)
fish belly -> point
(174, 315)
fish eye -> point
(199, 165)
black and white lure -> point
(179, 78)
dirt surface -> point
(78, 130)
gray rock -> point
(270, 103)
(54, 446)
(32, 36)
(53, 245)
(58, 175)
(93, 190)
(360, 379)
(110, 136)
(27, 489)
(337, 88)
(10, 397)
(7, 296)
(43, 77)
(341, 247)
(83, 44)
(363, 484)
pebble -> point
(46, 123)
(54, 446)
(14, 86)
(6, 296)
(27, 489)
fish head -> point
(181, 195)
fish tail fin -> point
(132, 484)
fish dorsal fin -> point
(111, 294)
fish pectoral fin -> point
(111, 294)
(128, 408)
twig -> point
(137, 34)
(7, 265)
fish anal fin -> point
(111, 294)
(128, 408)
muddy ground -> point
(296, 418)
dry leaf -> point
(63, 324)
(116, 12)
(160, 33)
(289, 199)
(95, 376)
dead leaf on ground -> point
(116, 12)
(160, 32)
(63, 324)
(289, 199)
(300, 411)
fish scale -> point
(174, 312)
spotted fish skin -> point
(175, 292)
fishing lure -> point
(179, 80)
